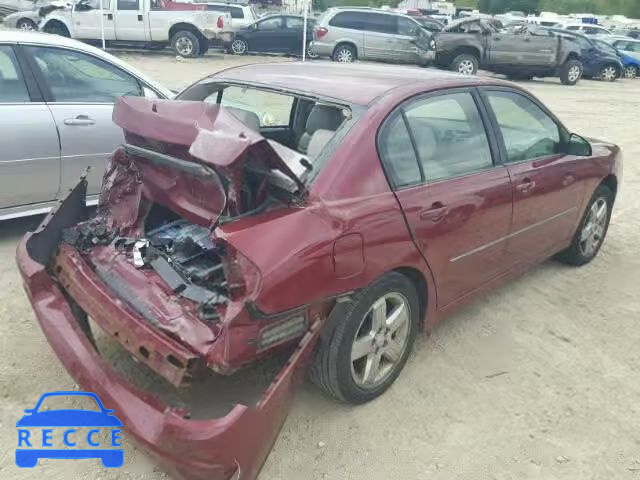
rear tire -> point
(591, 231)
(630, 72)
(359, 356)
(344, 54)
(571, 72)
(465, 64)
(185, 44)
(26, 25)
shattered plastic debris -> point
(138, 252)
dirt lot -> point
(539, 380)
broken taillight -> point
(321, 32)
(220, 23)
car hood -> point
(69, 418)
(203, 139)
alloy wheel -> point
(26, 26)
(184, 46)
(608, 73)
(380, 341)
(594, 227)
(465, 67)
(345, 55)
(630, 72)
(239, 47)
(574, 73)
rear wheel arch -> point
(57, 27)
(189, 27)
(468, 50)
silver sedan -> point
(56, 101)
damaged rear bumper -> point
(231, 447)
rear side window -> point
(293, 22)
(272, 109)
(398, 154)
(128, 4)
(379, 22)
(450, 136)
(352, 20)
(407, 27)
(12, 86)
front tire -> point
(465, 64)
(630, 72)
(344, 54)
(368, 340)
(185, 44)
(571, 72)
(592, 231)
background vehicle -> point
(583, 28)
(241, 15)
(469, 44)
(187, 27)
(429, 24)
(273, 34)
(56, 101)
(400, 229)
(347, 34)
(626, 45)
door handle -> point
(80, 120)
(109, 16)
(139, 18)
(435, 212)
(526, 186)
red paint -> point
(350, 229)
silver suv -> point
(347, 34)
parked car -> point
(630, 65)
(333, 237)
(56, 100)
(583, 28)
(241, 15)
(631, 33)
(273, 34)
(466, 45)
(24, 20)
(626, 45)
(347, 34)
(599, 60)
(186, 27)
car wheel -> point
(344, 54)
(368, 340)
(26, 25)
(185, 44)
(57, 29)
(593, 228)
(630, 72)
(239, 46)
(608, 73)
(311, 52)
(571, 72)
(465, 64)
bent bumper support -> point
(231, 447)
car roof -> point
(359, 84)
(50, 40)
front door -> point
(89, 20)
(30, 154)
(379, 35)
(403, 46)
(80, 90)
(457, 202)
(268, 36)
(129, 19)
(546, 190)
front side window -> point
(236, 12)
(295, 23)
(12, 86)
(128, 4)
(76, 77)
(398, 154)
(379, 22)
(449, 135)
(270, 24)
(407, 27)
(527, 130)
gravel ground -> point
(539, 380)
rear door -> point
(380, 35)
(269, 35)
(294, 27)
(457, 201)
(80, 90)
(30, 153)
(546, 187)
(129, 21)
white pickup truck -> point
(186, 27)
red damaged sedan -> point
(325, 211)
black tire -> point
(185, 44)
(26, 24)
(606, 74)
(344, 53)
(56, 29)
(567, 72)
(465, 64)
(332, 368)
(204, 48)
(575, 255)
